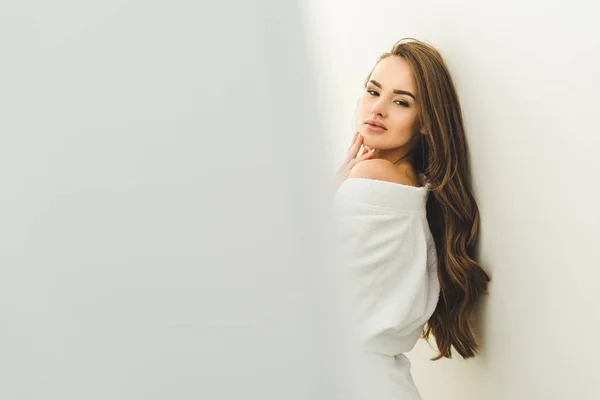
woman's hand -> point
(353, 157)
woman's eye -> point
(400, 103)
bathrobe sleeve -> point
(388, 255)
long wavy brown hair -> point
(442, 157)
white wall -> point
(160, 232)
(527, 76)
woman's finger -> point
(363, 157)
(354, 150)
(356, 145)
(367, 154)
(353, 140)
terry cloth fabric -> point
(389, 258)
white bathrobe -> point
(390, 259)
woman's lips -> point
(374, 128)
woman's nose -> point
(378, 108)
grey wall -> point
(160, 234)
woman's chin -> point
(371, 141)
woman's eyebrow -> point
(396, 91)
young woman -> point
(408, 218)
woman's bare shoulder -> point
(382, 170)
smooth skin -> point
(399, 113)
(354, 156)
(359, 164)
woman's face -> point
(389, 98)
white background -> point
(161, 162)
(527, 77)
